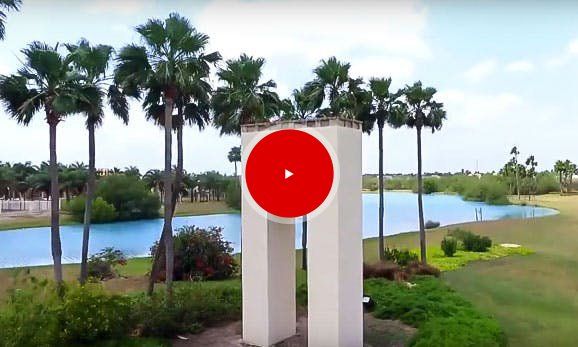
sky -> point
(506, 72)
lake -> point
(31, 246)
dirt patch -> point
(378, 333)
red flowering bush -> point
(201, 254)
(104, 264)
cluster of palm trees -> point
(168, 72)
(566, 170)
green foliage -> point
(488, 189)
(400, 257)
(449, 245)
(546, 182)
(193, 306)
(442, 316)
(470, 241)
(37, 317)
(130, 197)
(202, 254)
(437, 258)
(102, 211)
(103, 265)
(233, 194)
(431, 185)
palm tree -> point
(422, 111)
(514, 152)
(154, 180)
(243, 98)
(7, 5)
(234, 156)
(44, 82)
(132, 171)
(171, 54)
(91, 62)
(531, 164)
(330, 84)
(384, 109)
(560, 169)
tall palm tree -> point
(422, 111)
(91, 62)
(531, 164)
(385, 108)
(514, 152)
(193, 108)
(171, 54)
(45, 82)
(243, 98)
(329, 85)
(7, 5)
(234, 156)
(560, 169)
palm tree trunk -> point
(168, 211)
(304, 244)
(90, 185)
(235, 168)
(381, 203)
(422, 241)
(517, 182)
(54, 205)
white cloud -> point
(569, 53)
(481, 70)
(396, 68)
(313, 29)
(520, 66)
(124, 7)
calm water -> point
(26, 247)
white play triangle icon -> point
(288, 174)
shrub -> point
(449, 246)
(193, 307)
(102, 211)
(202, 254)
(400, 257)
(442, 316)
(103, 265)
(430, 185)
(89, 314)
(35, 316)
(130, 197)
(386, 270)
(470, 241)
(416, 268)
(233, 194)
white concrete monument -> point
(335, 259)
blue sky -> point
(506, 73)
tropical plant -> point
(560, 169)
(91, 62)
(234, 156)
(45, 82)
(422, 111)
(5, 6)
(243, 98)
(384, 109)
(172, 54)
(330, 86)
(515, 153)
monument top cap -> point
(302, 123)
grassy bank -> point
(184, 208)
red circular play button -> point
(289, 173)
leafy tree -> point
(91, 62)
(171, 55)
(422, 111)
(5, 6)
(385, 108)
(243, 98)
(130, 197)
(234, 156)
(45, 82)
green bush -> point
(103, 265)
(233, 194)
(400, 257)
(449, 246)
(442, 316)
(430, 185)
(193, 307)
(470, 241)
(201, 254)
(547, 182)
(130, 197)
(37, 317)
(102, 211)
